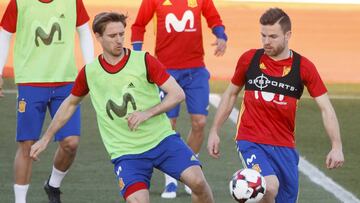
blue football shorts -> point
(195, 83)
(171, 156)
(32, 104)
(273, 160)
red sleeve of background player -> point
(311, 78)
(156, 70)
(80, 87)
(242, 66)
(211, 14)
(9, 18)
(81, 15)
(145, 14)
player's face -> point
(274, 40)
(112, 39)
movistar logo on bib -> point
(120, 110)
(49, 35)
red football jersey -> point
(178, 29)
(269, 118)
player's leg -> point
(256, 156)
(140, 196)
(68, 138)
(179, 161)
(133, 173)
(197, 102)
(31, 110)
(194, 178)
(287, 160)
(197, 92)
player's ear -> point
(97, 36)
(288, 35)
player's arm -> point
(174, 95)
(8, 24)
(86, 42)
(224, 109)
(221, 39)
(64, 113)
(5, 38)
(83, 30)
(145, 14)
(214, 22)
(335, 157)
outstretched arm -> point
(5, 37)
(335, 157)
(174, 96)
(225, 107)
(64, 113)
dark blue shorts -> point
(195, 83)
(273, 160)
(171, 156)
(32, 104)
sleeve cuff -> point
(137, 46)
(219, 32)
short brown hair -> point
(104, 18)
(274, 15)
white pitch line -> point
(313, 173)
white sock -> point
(20, 193)
(56, 177)
(169, 179)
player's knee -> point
(198, 123)
(272, 188)
(70, 145)
(133, 200)
(198, 185)
(24, 148)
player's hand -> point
(1, 86)
(37, 148)
(335, 158)
(136, 118)
(213, 145)
(220, 47)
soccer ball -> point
(247, 185)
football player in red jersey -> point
(179, 47)
(274, 78)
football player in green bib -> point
(124, 89)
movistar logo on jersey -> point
(47, 39)
(263, 82)
(120, 110)
(179, 25)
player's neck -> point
(113, 60)
(285, 54)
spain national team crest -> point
(121, 184)
(192, 3)
(286, 70)
(262, 66)
(167, 3)
(22, 106)
(257, 168)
